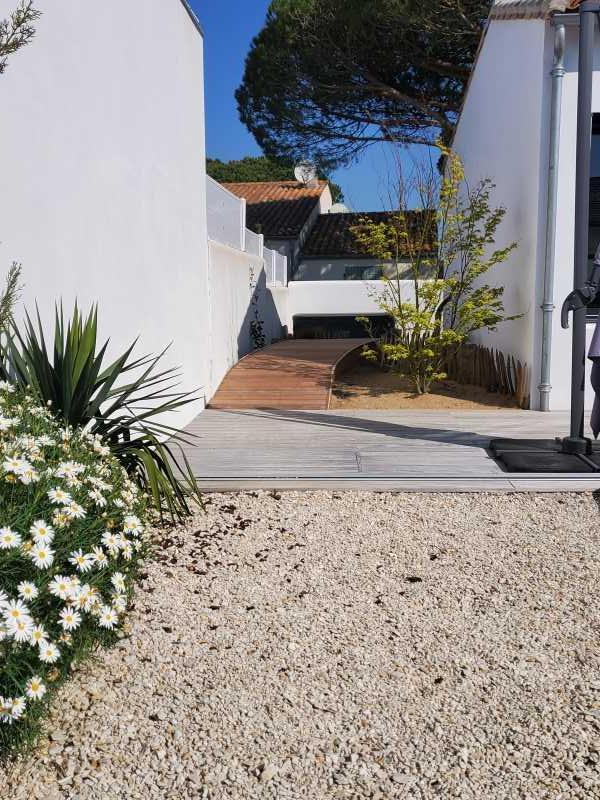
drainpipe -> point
(558, 71)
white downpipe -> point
(558, 72)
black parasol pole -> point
(576, 442)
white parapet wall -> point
(336, 298)
(238, 295)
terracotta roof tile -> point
(331, 235)
(278, 209)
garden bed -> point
(364, 385)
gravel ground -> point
(347, 646)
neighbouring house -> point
(283, 212)
(518, 127)
(331, 253)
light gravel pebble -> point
(324, 645)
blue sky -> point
(229, 26)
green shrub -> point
(122, 402)
(72, 539)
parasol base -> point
(544, 456)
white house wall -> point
(103, 172)
(565, 243)
(500, 135)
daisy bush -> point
(72, 540)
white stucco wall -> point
(103, 172)
(231, 273)
(565, 242)
(502, 135)
(337, 298)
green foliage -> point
(324, 79)
(17, 31)
(85, 392)
(68, 509)
(451, 299)
(261, 169)
(9, 296)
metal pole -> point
(587, 11)
(558, 71)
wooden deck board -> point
(293, 374)
(371, 450)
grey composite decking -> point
(387, 450)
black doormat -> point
(542, 455)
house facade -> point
(103, 173)
(518, 127)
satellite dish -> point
(305, 172)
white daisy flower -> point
(61, 587)
(27, 590)
(3, 631)
(6, 709)
(69, 469)
(45, 441)
(70, 619)
(18, 706)
(15, 465)
(98, 498)
(84, 597)
(20, 629)
(119, 603)
(132, 525)
(41, 555)
(15, 610)
(59, 497)
(74, 511)
(127, 551)
(100, 556)
(112, 541)
(38, 635)
(83, 561)
(49, 653)
(9, 539)
(28, 476)
(42, 532)
(6, 423)
(3, 600)
(118, 581)
(108, 617)
(34, 688)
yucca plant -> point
(85, 393)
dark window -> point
(363, 273)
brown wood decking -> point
(293, 374)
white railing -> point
(226, 216)
(254, 243)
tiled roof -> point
(331, 235)
(530, 9)
(278, 209)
